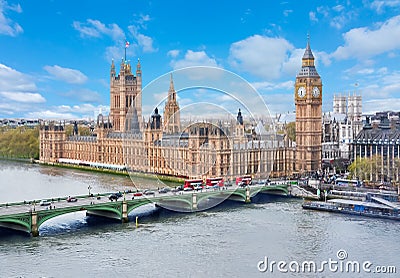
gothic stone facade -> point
(123, 141)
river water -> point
(230, 240)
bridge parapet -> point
(21, 216)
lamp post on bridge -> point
(89, 187)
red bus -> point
(210, 182)
(243, 180)
(192, 183)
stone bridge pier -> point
(124, 214)
(248, 200)
(194, 201)
(34, 224)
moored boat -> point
(376, 207)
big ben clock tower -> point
(308, 101)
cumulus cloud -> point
(263, 56)
(194, 58)
(271, 86)
(83, 95)
(337, 16)
(361, 43)
(17, 87)
(67, 112)
(7, 26)
(95, 28)
(141, 41)
(173, 53)
(17, 91)
(371, 106)
(313, 17)
(12, 80)
(146, 43)
(286, 13)
(66, 74)
(142, 19)
(23, 97)
(379, 5)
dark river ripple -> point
(227, 241)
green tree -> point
(291, 131)
(21, 142)
(366, 168)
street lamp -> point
(89, 187)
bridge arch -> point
(139, 204)
(17, 223)
(241, 195)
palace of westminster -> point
(122, 140)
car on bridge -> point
(164, 190)
(115, 196)
(149, 192)
(71, 199)
(44, 203)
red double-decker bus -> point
(210, 182)
(192, 183)
(243, 180)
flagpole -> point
(125, 51)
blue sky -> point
(55, 55)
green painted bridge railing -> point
(28, 216)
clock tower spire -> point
(308, 102)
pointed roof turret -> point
(307, 63)
(308, 53)
(239, 118)
(112, 71)
(171, 84)
(138, 66)
(171, 91)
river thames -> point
(231, 240)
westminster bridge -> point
(28, 216)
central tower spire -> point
(171, 111)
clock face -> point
(301, 92)
(315, 92)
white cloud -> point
(337, 16)
(66, 74)
(270, 86)
(372, 106)
(338, 8)
(173, 53)
(142, 19)
(365, 71)
(262, 56)
(313, 16)
(361, 43)
(142, 41)
(95, 28)
(12, 80)
(51, 115)
(379, 5)
(68, 112)
(279, 103)
(194, 58)
(18, 93)
(286, 13)
(7, 26)
(23, 97)
(146, 43)
(83, 95)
